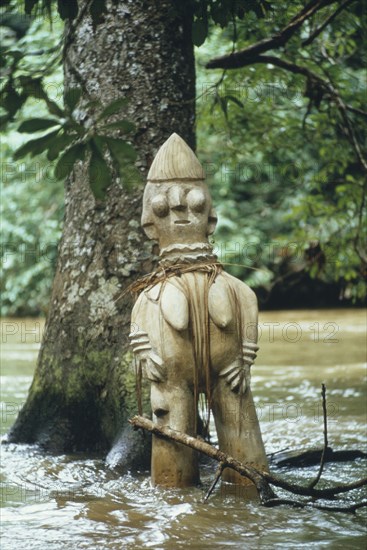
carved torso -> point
(185, 320)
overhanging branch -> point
(327, 22)
(240, 59)
(319, 85)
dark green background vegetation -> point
(284, 153)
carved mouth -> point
(182, 222)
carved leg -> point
(173, 464)
(237, 429)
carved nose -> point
(179, 207)
(177, 199)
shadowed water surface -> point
(68, 502)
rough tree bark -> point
(83, 391)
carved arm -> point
(147, 359)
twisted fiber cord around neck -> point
(176, 270)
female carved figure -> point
(194, 326)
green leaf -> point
(235, 100)
(36, 90)
(18, 22)
(99, 173)
(220, 14)
(96, 10)
(130, 176)
(5, 3)
(35, 146)
(199, 31)
(31, 86)
(37, 124)
(223, 104)
(59, 144)
(68, 9)
(4, 119)
(11, 100)
(123, 155)
(29, 5)
(72, 126)
(123, 125)
(15, 54)
(72, 98)
(121, 151)
(99, 142)
(66, 162)
(113, 107)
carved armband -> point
(146, 358)
(238, 373)
(249, 350)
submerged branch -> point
(262, 480)
(257, 477)
(315, 481)
(309, 504)
(327, 493)
(215, 481)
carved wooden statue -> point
(194, 326)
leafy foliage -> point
(32, 196)
(31, 211)
(286, 172)
(79, 140)
(68, 9)
(68, 139)
(222, 13)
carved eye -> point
(196, 200)
(160, 206)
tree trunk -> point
(83, 389)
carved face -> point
(178, 212)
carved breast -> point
(186, 320)
(220, 303)
(175, 307)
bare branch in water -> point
(261, 479)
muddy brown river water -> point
(68, 502)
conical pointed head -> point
(175, 161)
